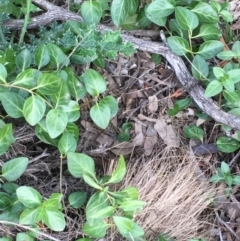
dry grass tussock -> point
(177, 196)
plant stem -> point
(26, 19)
(3, 40)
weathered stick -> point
(190, 84)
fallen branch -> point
(190, 84)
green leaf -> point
(225, 168)
(24, 237)
(219, 72)
(226, 15)
(227, 144)
(200, 69)
(34, 109)
(226, 55)
(5, 238)
(23, 59)
(48, 84)
(210, 49)
(54, 201)
(121, 9)
(236, 47)
(79, 164)
(232, 97)
(42, 56)
(158, 10)
(14, 168)
(128, 228)
(28, 216)
(54, 219)
(142, 21)
(57, 56)
(206, 13)
(178, 45)
(91, 181)
(234, 75)
(209, 32)
(98, 230)
(91, 12)
(216, 178)
(62, 96)
(132, 205)
(72, 110)
(3, 74)
(94, 82)
(27, 79)
(6, 138)
(213, 88)
(56, 122)
(10, 187)
(77, 199)
(229, 85)
(67, 143)
(111, 102)
(73, 129)
(101, 115)
(120, 171)
(29, 197)
(186, 19)
(215, 5)
(235, 180)
(12, 104)
(44, 136)
(193, 132)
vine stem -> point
(28, 228)
(26, 19)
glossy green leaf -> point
(48, 83)
(226, 15)
(218, 72)
(14, 168)
(94, 82)
(56, 122)
(120, 171)
(210, 49)
(91, 12)
(132, 205)
(98, 230)
(178, 45)
(12, 104)
(142, 21)
(34, 109)
(62, 96)
(28, 216)
(227, 144)
(67, 143)
(193, 132)
(91, 181)
(111, 102)
(100, 114)
(226, 55)
(73, 129)
(3, 74)
(158, 10)
(44, 136)
(229, 85)
(186, 19)
(6, 138)
(77, 199)
(23, 59)
(232, 97)
(24, 237)
(225, 168)
(127, 227)
(42, 56)
(29, 197)
(200, 69)
(234, 75)
(10, 187)
(27, 79)
(215, 5)
(235, 180)
(57, 56)
(54, 201)
(72, 110)
(213, 88)
(235, 111)
(236, 47)
(54, 219)
(209, 32)
(206, 13)
(5, 239)
(121, 9)
(79, 164)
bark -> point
(190, 84)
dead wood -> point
(190, 84)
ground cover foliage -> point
(94, 135)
